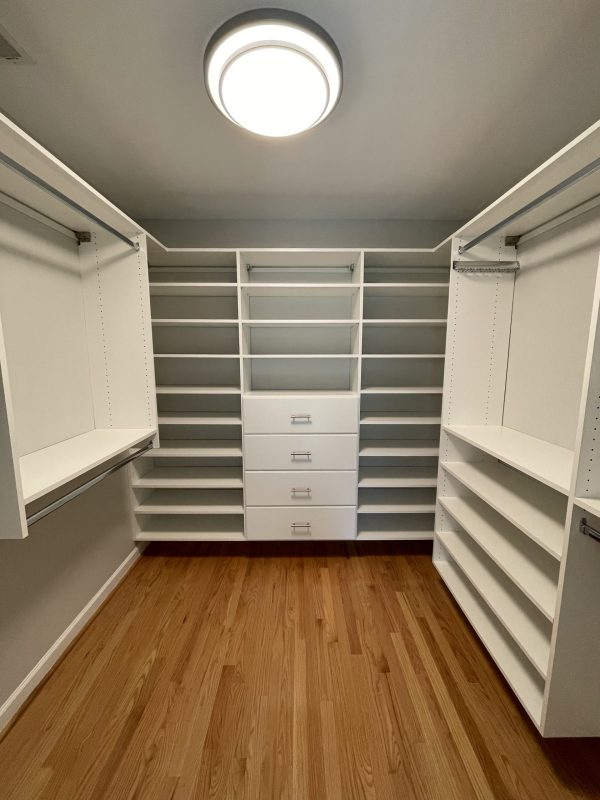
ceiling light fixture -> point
(273, 72)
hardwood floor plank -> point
(335, 671)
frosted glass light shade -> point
(273, 72)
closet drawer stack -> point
(191, 487)
(301, 321)
(403, 345)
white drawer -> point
(301, 414)
(301, 523)
(301, 488)
(300, 452)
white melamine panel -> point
(12, 513)
(539, 459)
(192, 274)
(525, 681)
(199, 371)
(307, 452)
(396, 501)
(300, 339)
(190, 478)
(536, 510)
(190, 528)
(45, 339)
(550, 327)
(301, 414)
(395, 526)
(196, 339)
(336, 522)
(399, 447)
(300, 488)
(301, 304)
(521, 619)
(531, 569)
(301, 374)
(189, 307)
(387, 477)
(190, 289)
(404, 339)
(191, 501)
(51, 467)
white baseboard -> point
(11, 706)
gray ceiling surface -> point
(446, 104)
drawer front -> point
(301, 414)
(301, 523)
(300, 452)
(301, 488)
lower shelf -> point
(397, 477)
(395, 526)
(190, 528)
(519, 673)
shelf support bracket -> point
(589, 530)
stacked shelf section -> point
(503, 507)
(191, 487)
(405, 299)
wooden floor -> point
(268, 672)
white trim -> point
(31, 681)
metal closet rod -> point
(593, 166)
(41, 183)
(320, 268)
(43, 512)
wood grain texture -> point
(327, 672)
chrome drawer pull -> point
(297, 527)
(299, 417)
(301, 454)
(305, 490)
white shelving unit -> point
(76, 367)
(519, 477)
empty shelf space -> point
(185, 528)
(526, 625)
(285, 289)
(201, 448)
(406, 322)
(190, 478)
(541, 460)
(193, 289)
(286, 356)
(409, 289)
(403, 355)
(398, 418)
(530, 568)
(192, 501)
(512, 663)
(193, 418)
(299, 323)
(535, 509)
(201, 323)
(396, 501)
(395, 526)
(197, 355)
(401, 390)
(45, 470)
(397, 477)
(199, 390)
(589, 504)
(398, 447)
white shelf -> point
(303, 356)
(408, 508)
(396, 536)
(407, 289)
(285, 289)
(529, 629)
(399, 447)
(192, 323)
(162, 535)
(516, 668)
(45, 470)
(536, 510)
(398, 418)
(299, 323)
(530, 568)
(192, 502)
(541, 460)
(423, 322)
(401, 390)
(197, 448)
(404, 355)
(191, 478)
(589, 504)
(165, 288)
(220, 356)
(188, 389)
(196, 418)
(199, 528)
(397, 477)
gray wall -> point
(48, 578)
(247, 233)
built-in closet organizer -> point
(76, 370)
(329, 361)
(519, 468)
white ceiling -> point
(446, 104)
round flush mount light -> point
(273, 72)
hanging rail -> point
(43, 512)
(39, 182)
(590, 168)
(314, 267)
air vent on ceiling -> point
(10, 52)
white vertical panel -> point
(118, 320)
(12, 512)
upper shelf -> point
(52, 467)
(541, 460)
